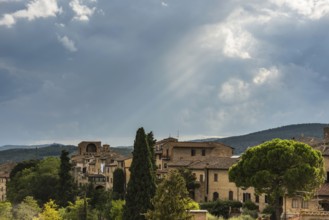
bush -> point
(250, 205)
(220, 207)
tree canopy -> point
(171, 200)
(279, 167)
(38, 179)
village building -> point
(209, 162)
(95, 164)
(5, 170)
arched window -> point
(91, 148)
(215, 196)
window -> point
(327, 180)
(192, 152)
(246, 197)
(294, 203)
(257, 199)
(159, 166)
(215, 196)
(230, 195)
(203, 152)
(165, 165)
(201, 177)
(215, 177)
(304, 204)
(266, 198)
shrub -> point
(220, 207)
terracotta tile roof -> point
(223, 163)
(324, 190)
(180, 163)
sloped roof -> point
(223, 163)
(324, 190)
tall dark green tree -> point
(279, 167)
(151, 143)
(141, 186)
(118, 184)
(67, 187)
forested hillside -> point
(241, 143)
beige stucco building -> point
(209, 162)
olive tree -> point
(279, 167)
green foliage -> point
(27, 209)
(5, 211)
(151, 143)
(277, 167)
(118, 184)
(221, 207)
(171, 199)
(250, 205)
(117, 209)
(79, 210)
(21, 166)
(50, 212)
(67, 187)
(268, 210)
(190, 180)
(39, 180)
(141, 186)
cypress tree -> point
(118, 184)
(141, 186)
(67, 187)
(151, 143)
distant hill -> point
(54, 150)
(241, 143)
(8, 147)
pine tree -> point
(67, 187)
(141, 186)
(118, 184)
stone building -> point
(209, 162)
(5, 170)
(95, 164)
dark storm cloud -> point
(100, 69)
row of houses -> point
(208, 161)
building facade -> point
(95, 163)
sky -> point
(75, 70)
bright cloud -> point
(34, 9)
(82, 12)
(67, 43)
(313, 9)
(266, 75)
